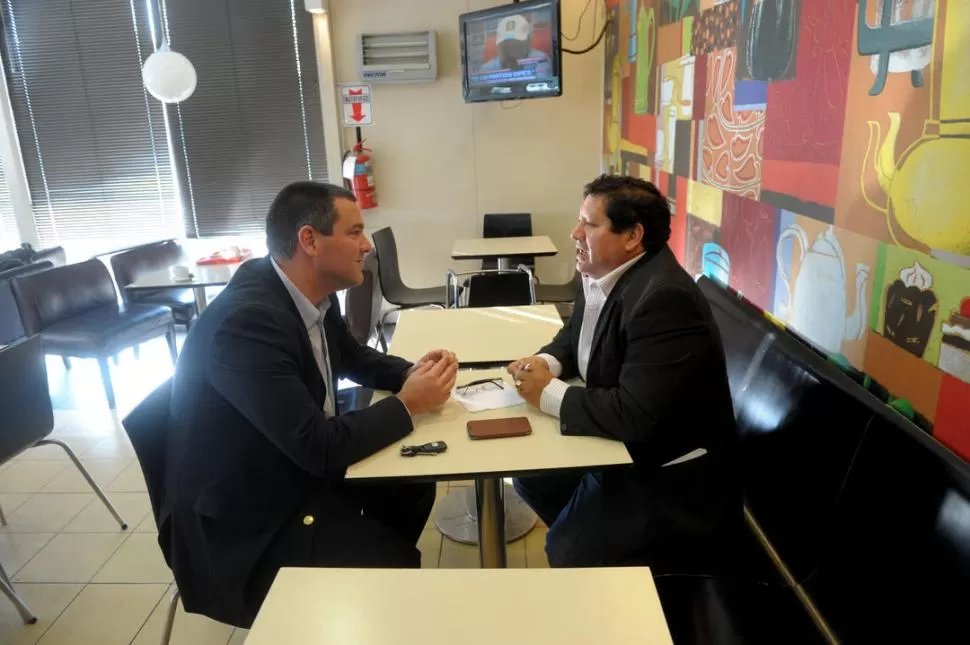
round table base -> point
(457, 517)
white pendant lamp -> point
(169, 76)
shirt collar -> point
(608, 281)
(309, 312)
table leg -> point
(490, 505)
(504, 264)
(200, 300)
(457, 516)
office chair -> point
(147, 427)
(392, 285)
(26, 422)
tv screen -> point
(511, 52)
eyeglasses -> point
(480, 384)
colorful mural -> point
(813, 155)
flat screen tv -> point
(511, 52)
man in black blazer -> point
(644, 340)
(258, 447)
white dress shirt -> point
(596, 292)
(313, 319)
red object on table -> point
(217, 258)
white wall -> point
(440, 164)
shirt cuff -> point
(552, 395)
(554, 365)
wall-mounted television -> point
(511, 52)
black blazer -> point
(657, 381)
(250, 453)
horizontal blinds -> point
(254, 123)
(93, 141)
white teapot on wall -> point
(816, 304)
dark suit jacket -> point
(657, 381)
(250, 453)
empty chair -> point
(392, 285)
(132, 264)
(494, 288)
(11, 327)
(508, 225)
(27, 421)
(75, 309)
(362, 304)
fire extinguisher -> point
(359, 175)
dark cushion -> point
(149, 258)
(11, 327)
(107, 329)
(61, 293)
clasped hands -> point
(429, 382)
(531, 375)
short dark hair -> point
(303, 203)
(631, 200)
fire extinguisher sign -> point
(357, 108)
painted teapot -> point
(817, 301)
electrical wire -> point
(579, 52)
(579, 27)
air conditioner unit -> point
(409, 57)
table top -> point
(215, 275)
(543, 450)
(607, 606)
(485, 336)
(479, 248)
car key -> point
(432, 448)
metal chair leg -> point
(173, 604)
(7, 588)
(87, 476)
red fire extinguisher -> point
(361, 178)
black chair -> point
(132, 264)
(27, 421)
(392, 285)
(492, 288)
(75, 308)
(11, 327)
(147, 427)
(362, 304)
(508, 225)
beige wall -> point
(440, 164)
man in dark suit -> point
(644, 340)
(258, 447)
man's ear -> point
(307, 241)
(635, 237)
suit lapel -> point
(609, 307)
(268, 273)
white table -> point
(488, 461)
(487, 336)
(216, 275)
(502, 249)
(607, 606)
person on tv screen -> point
(513, 44)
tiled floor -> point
(90, 583)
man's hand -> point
(434, 356)
(429, 385)
(532, 361)
(531, 378)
